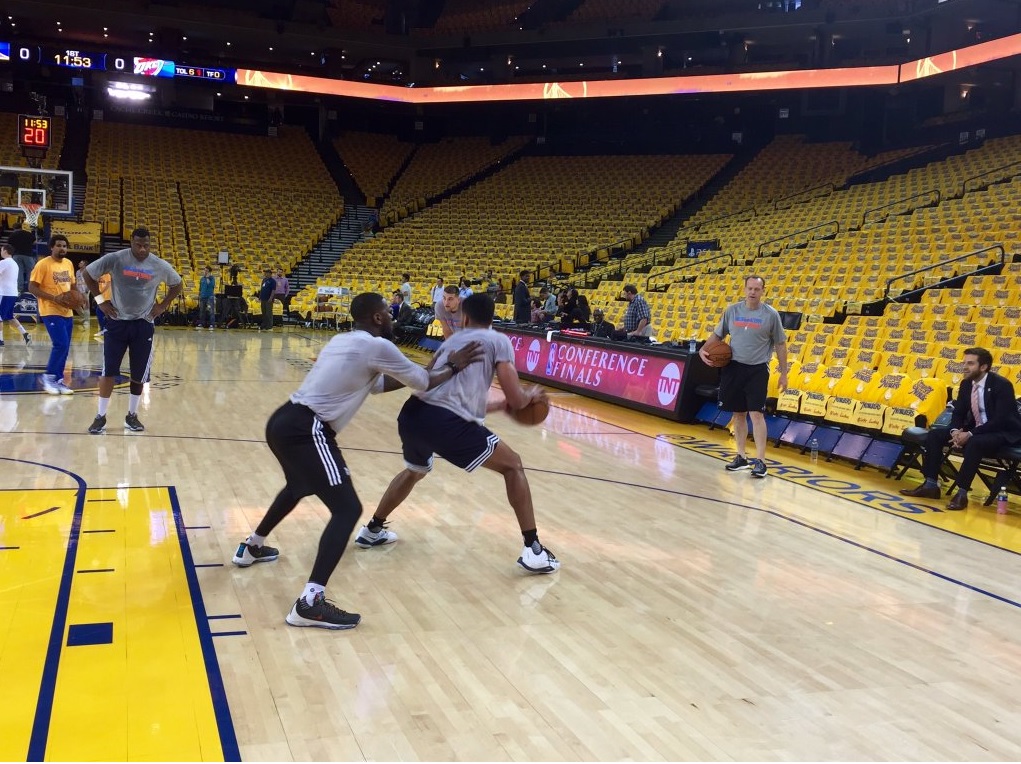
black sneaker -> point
(131, 423)
(321, 613)
(759, 468)
(739, 463)
(28, 338)
(98, 426)
(249, 555)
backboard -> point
(53, 189)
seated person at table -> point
(538, 314)
(580, 314)
(600, 327)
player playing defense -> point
(302, 435)
(449, 421)
(135, 275)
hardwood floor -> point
(698, 614)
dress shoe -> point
(960, 501)
(922, 492)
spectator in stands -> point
(567, 302)
(22, 242)
(437, 294)
(755, 331)
(549, 302)
(637, 316)
(449, 312)
(464, 288)
(283, 291)
(266, 290)
(601, 327)
(522, 299)
(538, 315)
(403, 315)
(492, 284)
(207, 299)
(406, 288)
(581, 315)
(985, 420)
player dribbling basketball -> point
(449, 421)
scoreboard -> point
(101, 61)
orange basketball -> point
(720, 353)
(534, 413)
(74, 299)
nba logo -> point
(532, 356)
(669, 384)
(551, 361)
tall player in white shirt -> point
(9, 293)
(449, 421)
(302, 435)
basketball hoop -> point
(32, 212)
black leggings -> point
(345, 509)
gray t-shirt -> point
(753, 333)
(133, 283)
(350, 367)
(466, 394)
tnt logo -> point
(669, 384)
(532, 357)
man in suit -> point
(522, 299)
(985, 420)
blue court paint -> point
(228, 634)
(8, 548)
(105, 530)
(82, 634)
(224, 723)
(196, 527)
(221, 617)
(209, 565)
(95, 570)
(48, 683)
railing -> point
(718, 218)
(1005, 176)
(930, 194)
(942, 264)
(691, 264)
(789, 197)
(836, 223)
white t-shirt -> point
(8, 277)
(350, 367)
(466, 394)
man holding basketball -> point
(755, 331)
(449, 421)
(51, 282)
(135, 276)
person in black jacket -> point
(985, 420)
(601, 327)
(266, 290)
(522, 299)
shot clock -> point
(34, 132)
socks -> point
(133, 403)
(311, 590)
(104, 406)
(930, 483)
(255, 540)
(531, 538)
(375, 526)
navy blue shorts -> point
(131, 337)
(7, 307)
(426, 430)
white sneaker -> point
(544, 562)
(367, 538)
(198, 328)
(50, 384)
(64, 389)
(211, 328)
(247, 555)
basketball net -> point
(32, 213)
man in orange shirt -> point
(52, 277)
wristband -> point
(100, 299)
(453, 369)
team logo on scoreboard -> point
(532, 358)
(153, 67)
(669, 384)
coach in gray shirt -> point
(755, 332)
(135, 276)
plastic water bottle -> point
(691, 346)
(1001, 502)
(813, 449)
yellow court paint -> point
(133, 675)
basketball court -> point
(698, 614)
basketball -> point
(74, 299)
(534, 413)
(720, 353)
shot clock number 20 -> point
(33, 131)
